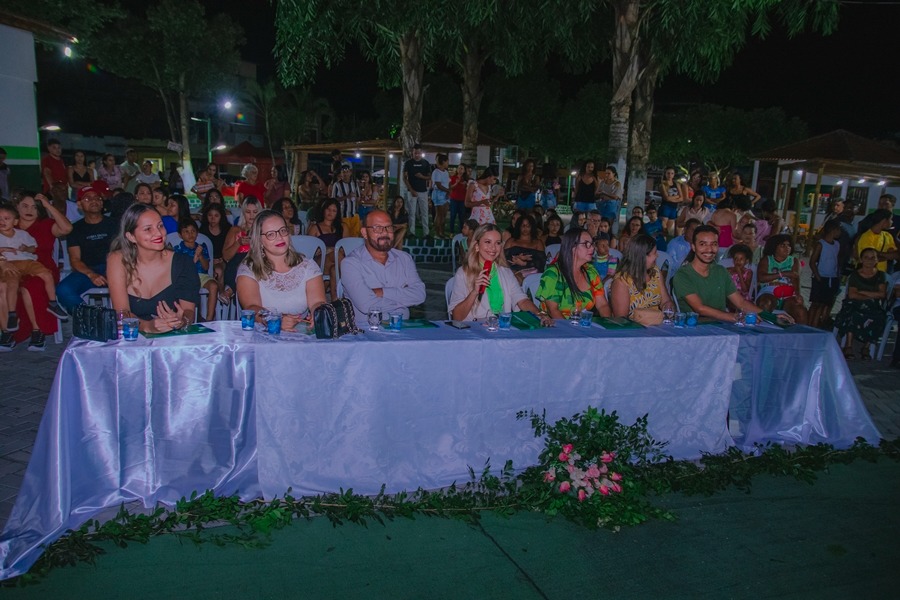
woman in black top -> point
(214, 225)
(147, 279)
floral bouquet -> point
(574, 475)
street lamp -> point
(51, 127)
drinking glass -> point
(692, 319)
(586, 316)
(130, 329)
(247, 318)
(668, 313)
(575, 315)
(492, 323)
(680, 318)
(505, 320)
(374, 318)
(739, 318)
(273, 322)
(396, 323)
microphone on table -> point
(487, 270)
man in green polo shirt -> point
(703, 286)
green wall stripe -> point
(22, 152)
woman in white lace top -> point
(274, 276)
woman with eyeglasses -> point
(274, 276)
(572, 283)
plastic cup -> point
(692, 319)
(505, 320)
(396, 321)
(680, 319)
(247, 318)
(130, 329)
(750, 318)
(273, 322)
(586, 316)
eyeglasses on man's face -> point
(381, 228)
(271, 235)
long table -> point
(241, 412)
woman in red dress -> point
(32, 302)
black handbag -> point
(95, 323)
(334, 319)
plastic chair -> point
(307, 245)
(97, 292)
(530, 286)
(552, 251)
(458, 239)
(664, 261)
(348, 245)
(448, 291)
(893, 290)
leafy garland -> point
(593, 470)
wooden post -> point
(777, 186)
(387, 179)
(798, 205)
(815, 208)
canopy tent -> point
(839, 153)
(440, 136)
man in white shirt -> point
(376, 276)
(148, 176)
(131, 170)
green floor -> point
(835, 539)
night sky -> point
(838, 81)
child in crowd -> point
(653, 228)
(199, 253)
(18, 260)
(826, 282)
(603, 262)
(606, 227)
(741, 274)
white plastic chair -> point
(307, 245)
(97, 292)
(893, 291)
(348, 245)
(530, 286)
(448, 291)
(458, 239)
(664, 259)
(552, 251)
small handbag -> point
(95, 323)
(334, 319)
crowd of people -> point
(727, 253)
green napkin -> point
(190, 330)
(412, 324)
(617, 323)
(525, 321)
(771, 318)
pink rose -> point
(617, 488)
(593, 472)
(568, 448)
(549, 476)
(581, 495)
(565, 486)
(604, 490)
(563, 457)
(607, 458)
(604, 469)
(615, 477)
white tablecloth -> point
(238, 412)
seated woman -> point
(502, 292)
(572, 283)
(329, 229)
(400, 219)
(147, 279)
(863, 315)
(634, 227)
(274, 276)
(286, 208)
(237, 245)
(741, 274)
(779, 274)
(638, 291)
(523, 250)
(554, 230)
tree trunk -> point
(188, 171)
(412, 64)
(639, 150)
(472, 94)
(625, 76)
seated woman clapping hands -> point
(274, 276)
(502, 292)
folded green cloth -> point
(617, 323)
(771, 318)
(190, 330)
(525, 321)
(412, 324)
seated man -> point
(376, 276)
(88, 246)
(704, 287)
